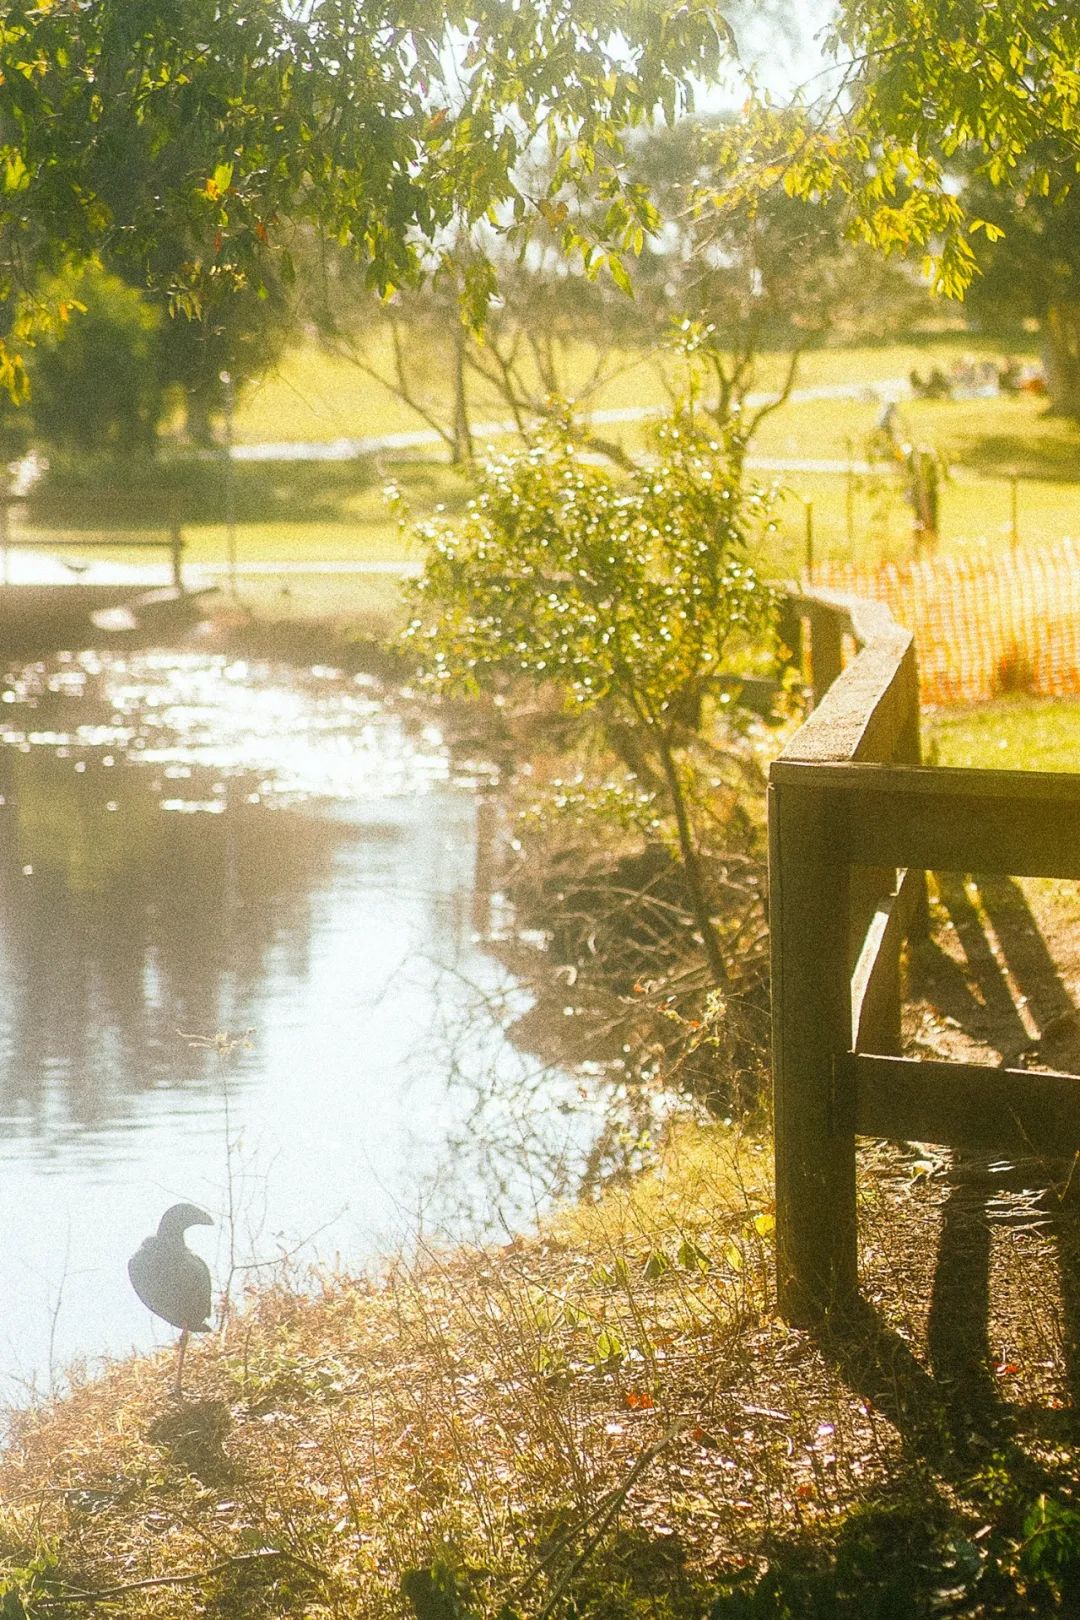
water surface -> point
(239, 954)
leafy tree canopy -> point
(96, 383)
(386, 122)
(931, 85)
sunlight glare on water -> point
(191, 846)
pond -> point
(242, 913)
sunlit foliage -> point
(928, 86)
(623, 596)
(386, 122)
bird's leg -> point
(177, 1390)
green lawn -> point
(318, 397)
(1016, 734)
(337, 511)
(997, 436)
(974, 512)
(370, 605)
(984, 442)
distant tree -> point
(717, 286)
(243, 333)
(96, 383)
(739, 277)
(929, 88)
(722, 285)
(1031, 269)
(550, 335)
(557, 334)
(412, 344)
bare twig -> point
(604, 1512)
(189, 1578)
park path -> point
(350, 449)
(36, 568)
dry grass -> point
(607, 1420)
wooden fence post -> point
(816, 1241)
(908, 751)
(176, 552)
(826, 652)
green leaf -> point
(1051, 1546)
(619, 274)
(609, 1347)
(16, 174)
(692, 1258)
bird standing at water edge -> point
(171, 1281)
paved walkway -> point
(345, 449)
(393, 566)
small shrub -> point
(1013, 672)
(1050, 1551)
(622, 597)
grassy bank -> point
(607, 1420)
(328, 524)
(1017, 733)
(348, 607)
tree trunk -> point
(695, 882)
(463, 445)
(199, 416)
(1061, 357)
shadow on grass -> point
(156, 494)
(1049, 455)
(886, 1560)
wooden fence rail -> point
(172, 542)
(855, 821)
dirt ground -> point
(998, 982)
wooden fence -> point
(854, 824)
(166, 536)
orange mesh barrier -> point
(984, 624)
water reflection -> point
(189, 846)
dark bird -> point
(170, 1280)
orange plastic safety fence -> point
(984, 624)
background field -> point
(1006, 459)
(1021, 733)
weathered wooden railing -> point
(169, 539)
(854, 824)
